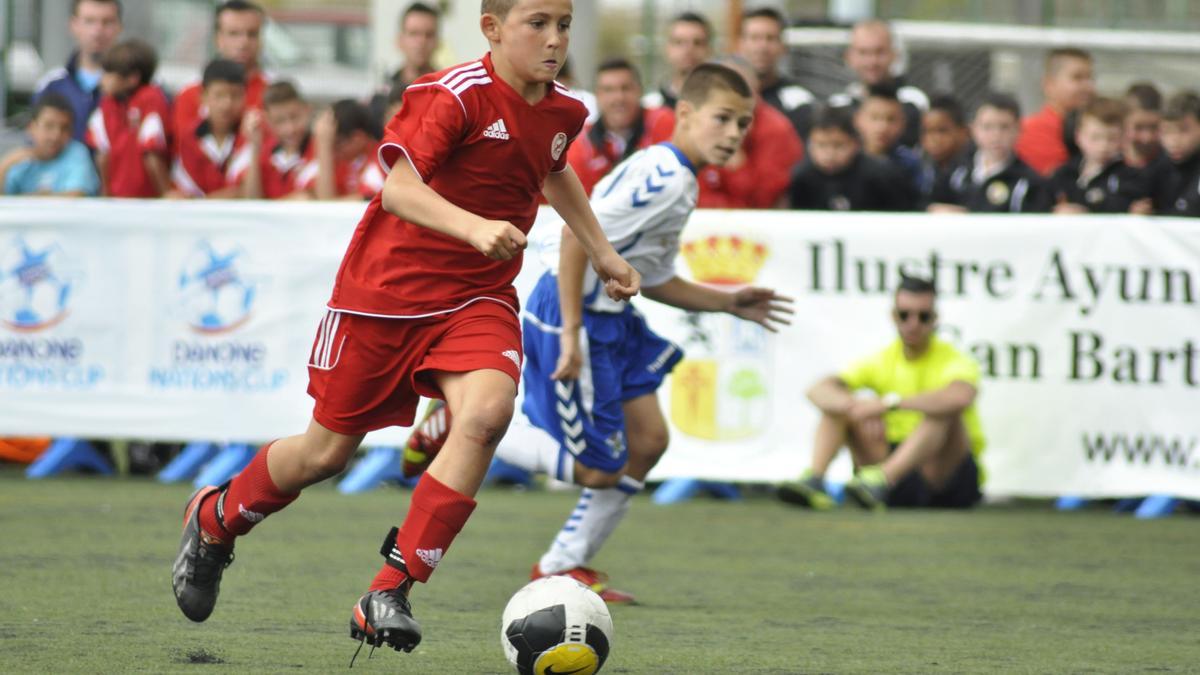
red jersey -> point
(189, 108)
(360, 176)
(481, 146)
(125, 130)
(204, 165)
(771, 150)
(597, 151)
(1041, 144)
(285, 172)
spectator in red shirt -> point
(214, 156)
(758, 175)
(347, 137)
(237, 30)
(284, 164)
(623, 127)
(127, 130)
(1047, 136)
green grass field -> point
(747, 587)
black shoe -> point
(385, 617)
(809, 491)
(196, 574)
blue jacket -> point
(62, 81)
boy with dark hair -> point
(127, 131)
(1099, 181)
(993, 179)
(1047, 138)
(880, 122)
(1143, 147)
(593, 363)
(1181, 142)
(837, 176)
(284, 165)
(237, 34)
(689, 43)
(944, 139)
(622, 128)
(346, 138)
(54, 163)
(214, 156)
(423, 305)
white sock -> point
(595, 517)
(533, 449)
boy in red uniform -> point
(214, 156)
(127, 130)
(289, 161)
(424, 305)
(347, 145)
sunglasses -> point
(924, 317)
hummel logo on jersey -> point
(512, 356)
(430, 556)
(251, 516)
(497, 130)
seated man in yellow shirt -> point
(914, 442)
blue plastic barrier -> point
(68, 454)
(501, 471)
(1156, 506)
(188, 463)
(379, 465)
(229, 461)
(1070, 503)
(682, 489)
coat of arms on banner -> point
(722, 390)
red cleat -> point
(427, 439)
(597, 581)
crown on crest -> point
(724, 260)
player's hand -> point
(252, 127)
(325, 128)
(1067, 208)
(1142, 207)
(763, 306)
(868, 414)
(945, 209)
(498, 239)
(570, 357)
(16, 157)
(621, 281)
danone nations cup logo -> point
(213, 294)
(36, 285)
(721, 391)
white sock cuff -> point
(630, 486)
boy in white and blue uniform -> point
(592, 365)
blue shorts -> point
(623, 359)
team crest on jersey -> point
(1094, 195)
(559, 144)
(997, 192)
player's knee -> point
(327, 463)
(485, 422)
(651, 442)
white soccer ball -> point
(556, 625)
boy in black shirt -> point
(1099, 181)
(993, 179)
(1181, 140)
(944, 139)
(1143, 148)
(837, 176)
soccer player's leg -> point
(470, 367)
(869, 447)
(215, 516)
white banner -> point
(194, 320)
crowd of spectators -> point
(101, 126)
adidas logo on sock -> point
(430, 556)
(497, 130)
(249, 515)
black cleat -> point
(196, 574)
(385, 618)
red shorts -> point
(367, 373)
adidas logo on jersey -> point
(497, 130)
(430, 557)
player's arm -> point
(572, 264)
(406, 196)
(102, 169)
(565, 193)
(831, 396)
(760, 305)
(156, 170)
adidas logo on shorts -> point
(497, 130)
(512, 356)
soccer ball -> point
(556, 625)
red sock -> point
(435, 516)
(250, 497)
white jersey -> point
(642, 205)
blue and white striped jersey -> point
(642, 205)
